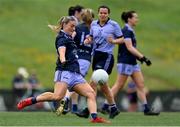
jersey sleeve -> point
(127, 35)
(118, 32)
(61, 43)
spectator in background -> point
(27, 85)
(34, 86)
(19, 82)
(132, 96)
(33, 81)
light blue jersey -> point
(101, 33)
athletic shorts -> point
(104, 61)
(84, 66)
(127, 69)
(71, 78)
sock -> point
(146, 108)
(93, 115)
(66, 98)
(105, 106)
(113, 107)
(74, 108)
(34, 101)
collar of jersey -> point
(98, 22)
(66, 34)
(129, 27)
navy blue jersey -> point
(64, 40)
(84, 51)
(124, 56)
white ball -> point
(100, 76)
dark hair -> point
(126, 15)
(78, 8)
(73, 9)
(104, 6)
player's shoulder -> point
(95, 22)
(128, 28)
(81, 26)
(113, 22)
(61, 37)
(127, 31)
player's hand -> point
(146, 60)
(73, 34)
(110, 39)
(87, 40)
(63, 63)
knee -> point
(91, 94)
(118, 85)
(108, 93)
(140, 86)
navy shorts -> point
(71, 78)
(103, 61)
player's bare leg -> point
(112, 108)
(139, 81)
(74, 100)
(87, 91)
(59, 92)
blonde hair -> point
(63, 20)
(87, 15)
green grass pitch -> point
(50, 119)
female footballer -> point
(127, 64)
(104, 33)
(67, 75)
(84, 53)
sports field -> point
(50, 119)
(25, 39)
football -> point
(100, 76)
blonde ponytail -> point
(57, 28)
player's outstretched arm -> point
(136, 53)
